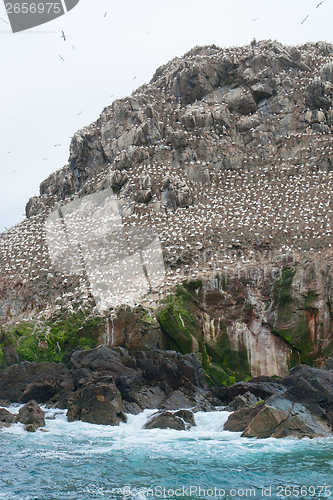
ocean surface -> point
(79, 461)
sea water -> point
(80, 461)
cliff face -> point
(226, 155)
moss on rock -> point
(53, 339)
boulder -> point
(240, 100)
(185, 398)
(243, 401)
(240, 419)
(180, 420)
(278, 417)
(260, 387)
(38, 381)
(147, 397)
(6, 418)
(97, 403)
(187, 416)
(145, 379)
(32, 416)
(311, 387)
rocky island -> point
(222, 166)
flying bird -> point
(304, 19)
(62, 58)
(256, 19)
(3, 20)
(79, 113)
(57, 145)
(63, 36)
(319, 5)
(105, 14)
(134, 78)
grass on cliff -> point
(52, 340)
(180, 318)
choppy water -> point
(79, 461)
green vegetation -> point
(177, 322)
(310, 297)
(282, 287)
(180, 318)
(53, 339)
(234, 363)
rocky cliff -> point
(226, 156)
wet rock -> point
(32, 416)
(180, 420)
(280, 417)
(187, 416)
(98, 403)
(240, 419)
(6, 417)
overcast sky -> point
(45, 100)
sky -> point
(111, 48)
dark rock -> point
(240, 419)
(32, 416)
(100, 359)
(148, 397)
(187, 416)
(132, 408)
(42, 390)
(310, 386)
(10, 356)
(6, 417)
(184, 398)
(180, 420)
(260, 387)
(243, 401)
(21, 381)
(98, 403)
(280, 417)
